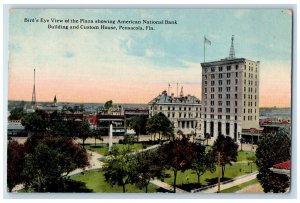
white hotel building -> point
(230, 96)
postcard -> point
(149, 100)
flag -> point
(207, 41)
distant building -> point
(230, 96)
(183, 111)
(15, 128)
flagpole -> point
(204, 48)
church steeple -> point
(55, 101)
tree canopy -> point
(17, 114)
(15, 163)
(159, 123)
(118, 169)
(272, 149)
(177, 155)
(108, 104)
(48, 160)
(202, 161)
(228, 151)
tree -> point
(118, 169)
(49, 160)
(37, 122)
(147, 166)
(17, 114)
(202, 161)
(273, 148)
(177, 155)
(207, 136)
(228, 151)
(159, 123)
(15, 164)
(138, 123)
(97, 134)
(83, 130)
(108, 105)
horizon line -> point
(127, 103)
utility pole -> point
(219, 173)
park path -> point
(227, 184)
(94, 163)
(166, 186)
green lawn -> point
(103, 148)
(238, 187)
(242, 155)
(95, 180)
(188, 179)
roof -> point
(284, 165)
(165, 98)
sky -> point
(135, 66)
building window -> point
(184, 108)
(173, 115)
(220, 96)
(236, 67)
(227, 117)
(220, 89)
(168, 108)
(220, 82)
(236, 81)
(236, 88)
(235, 103)
(184, 115)
(212, 89)
(227, 103)
(179, 115)
(205, 70)
(227, 110)
(235, 96)
(160, 107)
(189, 108)
(235, 110)
(205, 82)
(220, 68)
(220, 75)
(212, 103)
(212, 69)
(228, 82)
(180, 108)
(220, 103)
(173, 108)
(228, 75)
(227, 96)
(212, 76)
(219, 110)
(228, 89)
(212, 83)
(205, 76)
(212, 116)
(212, 96)
(227, 128)
(212, 110)
(168, 115)
(219, 116)
(228, 68)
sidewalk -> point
(227, 184)
(166, 186)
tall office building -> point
(230, 96)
